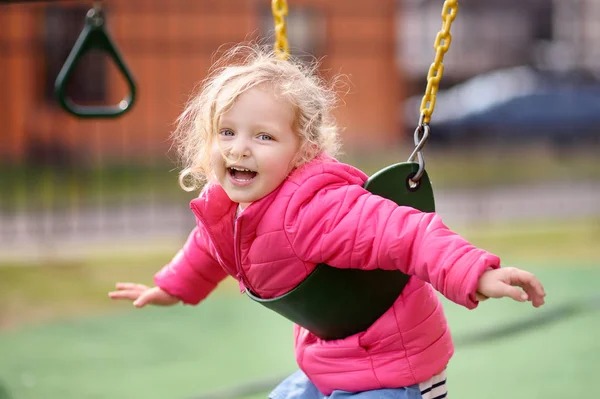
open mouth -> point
(241, 174)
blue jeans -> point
(298, 386)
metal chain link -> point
(436, 70)
(434, 76)
(280, 11)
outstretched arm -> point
(348, 227)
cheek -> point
(281, 165)
(216, 159)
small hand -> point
(142, 295)
(503, 282)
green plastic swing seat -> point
(335, 303)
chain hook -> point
(420, 138)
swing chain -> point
(436, 70)
(280, 11)
(434, 76)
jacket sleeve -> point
(194, 272)
(348, 227)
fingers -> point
(131, 286)
(126, 294)
(526, 279)
(144, 299)
(513, 292)
(130, 291)
(531, 284)
(536, 298)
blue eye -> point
(226, 132)
(265, 136)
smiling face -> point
(256, 136)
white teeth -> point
(240, 169)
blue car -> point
(516, 105)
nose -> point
(240, 148)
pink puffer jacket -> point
(321, 214)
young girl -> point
(276, 203)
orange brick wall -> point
(168, 46)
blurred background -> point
(84, 203)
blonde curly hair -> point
(240, 69)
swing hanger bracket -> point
(420, 137)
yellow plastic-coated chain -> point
(436, 70)
(280, 11)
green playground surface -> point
(71, 342)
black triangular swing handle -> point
(93, 36)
